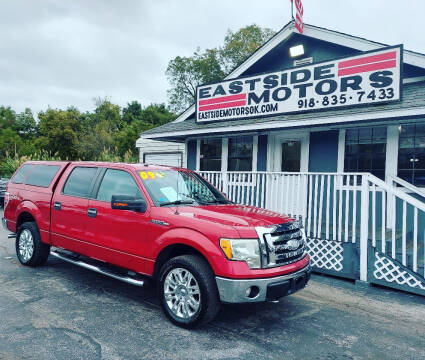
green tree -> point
(25, 124)
(186, 73)
(7, 118)
(145, 119)
(107, 133)
(107, 114)
(98, 129)
(239, 45)
(10, 142)
(60, 130)
(132, 112)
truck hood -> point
(234, 215)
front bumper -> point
(260, 290)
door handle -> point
(57, 205)
(92, 212)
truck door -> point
(122, 232)
(69, 208)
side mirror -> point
(127, 202)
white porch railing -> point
(414, 189)
(326, 203)
(355, 208)
(406, 239)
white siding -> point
(153, 148)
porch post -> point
(364, 227)
(224, 164)
(391, 163)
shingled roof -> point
(413, 103)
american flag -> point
(299, 24)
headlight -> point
(247, 250)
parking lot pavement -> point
(60, 311)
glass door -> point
(288, 190)
(291, 156)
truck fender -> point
(188, 237)
(32, 209)
(29, 207)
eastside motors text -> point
(368, 78)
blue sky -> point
(59, 53)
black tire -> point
(209, 298)
(40, 251)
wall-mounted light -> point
(297, 50)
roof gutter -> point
(336, 119)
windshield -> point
(172, 187)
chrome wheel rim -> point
(182, 293)
(26, 245)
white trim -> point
(391, 150)
(341, 150)
(408, 188)
(186, 152)
(275, 148)
(331, 36)
(413, 80)
(305, 152)
(224, 154)
(391, 160)
(337, 119)
(185, 114)
(198, 154)
(254, 152)
(270, 152)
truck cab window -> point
(22, 174)
(117, 182)
(42, 175)
(79, 182)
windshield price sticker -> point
(150, 175)
(370, 78)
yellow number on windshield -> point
(147, 175)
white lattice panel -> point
(325, 254)
(388, 270)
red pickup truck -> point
(136, 222)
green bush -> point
(10, 164)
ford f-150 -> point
(139, 222)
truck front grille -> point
(282, 244)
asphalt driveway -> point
(60, 311)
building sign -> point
(370, 78)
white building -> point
(161, 152)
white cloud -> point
(62, 53)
